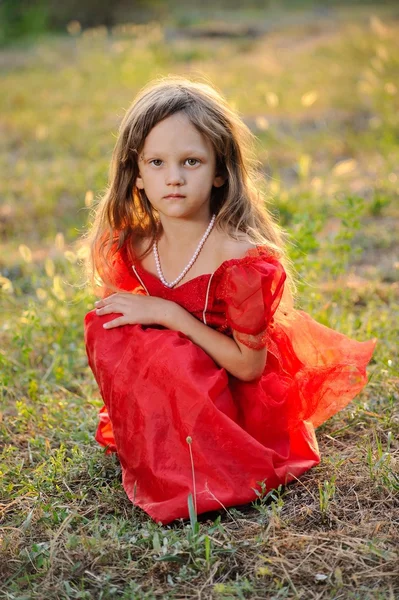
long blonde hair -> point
(124, 213)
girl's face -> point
(178, 160)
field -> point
(320, 91)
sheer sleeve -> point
(252, 292)
(122, 277)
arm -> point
(236, 358)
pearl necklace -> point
(191, 262)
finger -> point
(120, 296)
(109, 299)
(104, 301)
(116, 323)
(106, 310)
(117, 296)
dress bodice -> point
(242, 294)
(197, 295)
(205, 296)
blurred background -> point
(317, 82)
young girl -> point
(212, 381)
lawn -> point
(321, 93)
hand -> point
(134, 309)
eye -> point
(194, 160)
(156, 160)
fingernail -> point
(105, 325)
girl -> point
(212, 381)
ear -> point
(139, 183)
(219, 181)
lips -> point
(175, 196)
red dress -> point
(159, 388)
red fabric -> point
(159, 388)
(250, 295)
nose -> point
(174, 176)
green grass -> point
(323, 100)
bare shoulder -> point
(229, 248)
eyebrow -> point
(188, 152)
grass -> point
(323, 100)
